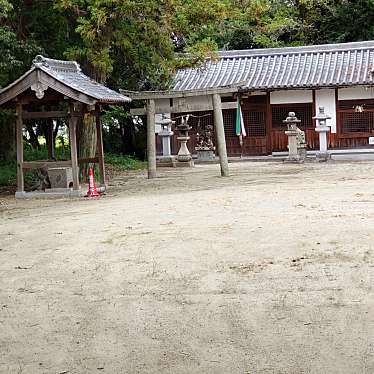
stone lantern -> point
(184, 156)
(166, 133)
(322, 128)
(296, 139)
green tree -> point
(132, 44)
(346, 21)
(139, 44)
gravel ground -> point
(267, 271)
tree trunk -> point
(128, 139)
(34, 142)
(55, 131)
(86, 142)
(48, 133)
(8, 140)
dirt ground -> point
(268, 271)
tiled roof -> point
(70, 74)
(69, 77)
(331, 65)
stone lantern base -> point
(322, 156)
(205, 154)
(166, 161)
(184, 157)
(294, 160)
(184, 164)
(301, 150)
(294, 156)
(322, 129)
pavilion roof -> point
(65, 77)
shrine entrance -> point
(255, 118)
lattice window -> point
(357, 122)
(229, 122)
(304, 112)
(254, 122)
(356, 116)
(355, 104)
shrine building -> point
(269, 83)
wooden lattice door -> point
(355, 123)
(304, 112)
(254, 117)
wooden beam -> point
(17, 87)
(220, 133)
(73, 119)
(50, 96)
(88, 160)
(51, 114)
(182, 109)
(139, 111)
(45, 164)
(19, 142)
(151, 139)
(100, 148)
(56, 164)
(237, 87)
(145, 95)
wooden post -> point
(73, 147)
(314, 109)
(151, 139)
(338, 124)
(19, 143)
(49, 139)
(269, 125)
(220, 133)
(100, 147)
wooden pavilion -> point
(40, 94)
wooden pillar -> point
(269, 125)
(151, 138)
(19, 143)
(337, 104)
(73, 119)
(314, 109)
(337, 113)
(49, 139)
(312, 141)
(220, 133)
(100, 147)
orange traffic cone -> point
(92, 192)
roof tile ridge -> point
(56, 65)
(309, 49)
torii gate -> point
(184, 101)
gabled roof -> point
(65, 77)
(318, 66)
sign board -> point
(371, 140)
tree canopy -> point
(138, 44)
